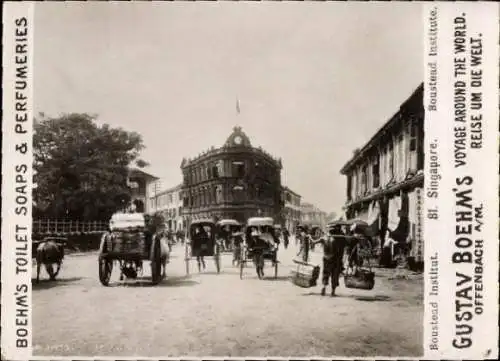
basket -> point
(360, 279)
(306, 275)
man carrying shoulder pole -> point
(333, 252)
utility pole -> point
(156, 189)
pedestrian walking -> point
(305, 243)
(333, 252)
(238, 242)
(286, 236)
(199, 245)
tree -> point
(80, 167)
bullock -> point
(49, 252)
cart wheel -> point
(105, 269)
(243, 261)
(156, 263)
(187, 257)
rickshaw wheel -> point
(156, 264)
(275, 269)
(105, 270)
(217, 262)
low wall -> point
(79, 243)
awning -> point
(393, 213)
(374, 217)
(398, 224)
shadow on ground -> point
(279, 278)
(356, 297)
(47, 283)
(371, 298)
(183, 281)
(209, 273)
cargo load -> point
(305, 275)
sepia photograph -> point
(228, 180)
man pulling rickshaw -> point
(261, 244)
(203, 243)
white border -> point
(441, 21)
(482, 16)
(16, 284)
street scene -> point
(205, 185)
(218, 314)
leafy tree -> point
(81, 167)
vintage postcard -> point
(250, 180)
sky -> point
(314, 80)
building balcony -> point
(391, 188)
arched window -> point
(258, 192)
(220, 168)
(219, 196)
(238, 169)
(238, 193)
(215, 198)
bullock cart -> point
(129, 243)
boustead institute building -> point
(385, 179)
(235, 181)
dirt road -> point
(220, 315)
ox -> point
(48, 253)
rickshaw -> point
(231, 231)
(261, 244)
(203, 243)
(130, 242)
(225, 230)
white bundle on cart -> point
(127, 221)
